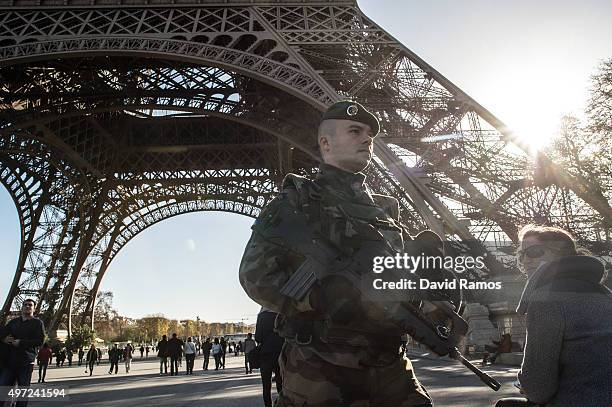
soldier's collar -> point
(339, 178)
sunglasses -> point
(534, 252)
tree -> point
(104, 305)
(599, 125)
(585, 148)
(105, 316)
(578, 149)
(154, 326)
(175, 327)
(191, 328)
(114, 327)
(81, 337)
(599, 110)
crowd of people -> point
(172, 351)
(22, 345)
(169, 351)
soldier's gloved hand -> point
(337, 298)
(315, 300)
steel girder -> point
(117, 117)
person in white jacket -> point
(190, 354)
(216, 351)
(249, 345)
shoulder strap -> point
(308, 198)
(389, 204)
(306, 188)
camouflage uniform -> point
(344, 356)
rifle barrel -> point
(488, 380)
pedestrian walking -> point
(223, 344)
(127, 356)
(206, 347)
(92, 358)
(21, 335)
(81, 355)
(190, 354)
(162, 354)
(175, 350)
(249, 345)
(271, 346)
(69, 356)
(216, 351)
(113, 358)
(44, 358)
(61, 357)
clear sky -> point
(528, 62)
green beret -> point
(349, 110)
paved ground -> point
(449, 383)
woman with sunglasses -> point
(568, 352)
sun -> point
(532, 100)
(533, 132)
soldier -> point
(336, 352)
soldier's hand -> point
(339, 299)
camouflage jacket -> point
(267, 264)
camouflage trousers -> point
(313, 382)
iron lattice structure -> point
(117, 114)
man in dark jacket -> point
(23, 335)
(92, 358)
(271, 345)
(175, 350)
(206, 347)
(162, 354)
(113, 357)
(223, 343)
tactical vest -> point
(346, 224)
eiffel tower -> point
(118, 114)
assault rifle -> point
(323, 259)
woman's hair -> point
(563, 238)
